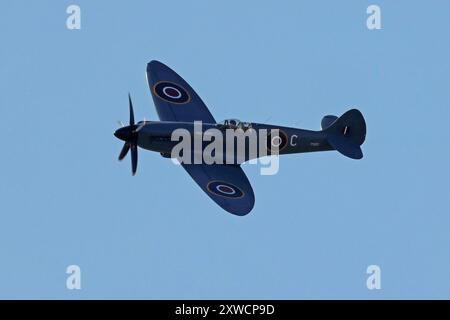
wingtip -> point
(240, 210)
(153, 62)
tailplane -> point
(347, 133)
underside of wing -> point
(227, 185)
(174, 98)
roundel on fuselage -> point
(274, 140)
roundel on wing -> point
(171, 92)
(225, 189)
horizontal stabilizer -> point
(327, 121)
(343, 146)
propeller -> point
(129, 134)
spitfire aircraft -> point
(179, 107)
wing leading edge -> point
(227, 185)
(174, 98)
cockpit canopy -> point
(235, 124)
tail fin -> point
(347, 133)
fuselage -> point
(163, 136)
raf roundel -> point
(274, 141)
(171, 92)
(225, 189)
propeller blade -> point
(131, 110)
(120, 123)
(134, 159)
(124, 151)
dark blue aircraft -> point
(178, 107)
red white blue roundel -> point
(225, 189)
(171, 92)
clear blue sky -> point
(316, 226)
